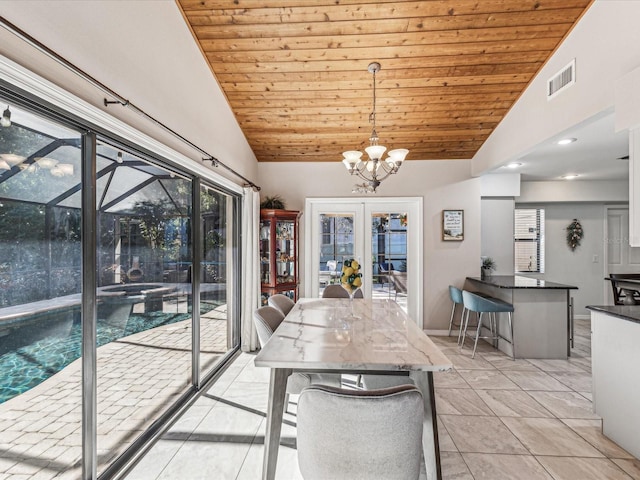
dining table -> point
(346, 336)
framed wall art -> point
(453, 225)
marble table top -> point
(377, 335)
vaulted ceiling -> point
(295, 71)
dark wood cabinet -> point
(279, 253)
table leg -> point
(277, 390)
(430, 445)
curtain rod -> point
(119, 99)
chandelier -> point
(374, 170)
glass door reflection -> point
(389, 256)
(336, 245)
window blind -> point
(529, 240)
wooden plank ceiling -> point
(295, 71)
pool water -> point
(39, 356)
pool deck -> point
(138, 377)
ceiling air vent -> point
(562, 80)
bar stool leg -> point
(464, 332)
(491, 335)
(464, 311)
(495, 330)
(479, 327)
(453, 312)
(513, 344)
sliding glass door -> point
(125, 318)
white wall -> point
(575, 191)
(606, 45)
(575, 267)
(143, 50)
(497, 233)
(442, 184)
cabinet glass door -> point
(265, 251)
(285, 252)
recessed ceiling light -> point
(566, 141)
(570, 176)
(512, 165)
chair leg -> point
(478, 328)
(513, 343)
(453, 312)
(464, 332)
(464, 311)
(494, 333)
(286, 403)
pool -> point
(41, 345)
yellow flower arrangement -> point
(351, 278)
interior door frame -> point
(362, 207)
(608, 296)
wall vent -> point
(562, 80)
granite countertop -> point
(517, 281)
(625, 312)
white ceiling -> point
(593, 156)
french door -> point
(383, 234)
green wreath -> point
(574, 234)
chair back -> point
(385, 267)
(336, 291)
(266, 320)
(281, 302)
(618, 295)
(455, 293)
(480, 304)
(360, 434)
(399, 281)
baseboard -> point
(444, 333)
(439, 333)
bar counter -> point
(615, 360)
(542, 318)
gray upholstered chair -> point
(399, 280)
(456, 298)
(336, 291)
(481, 305)
(281, 302)
(360, 434)
(267, 320)
(375, 382)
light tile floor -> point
(498, 419)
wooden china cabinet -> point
(279, 253)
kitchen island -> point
(615, 360)
(542, 318)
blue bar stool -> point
(456, 297)
(481, 305)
